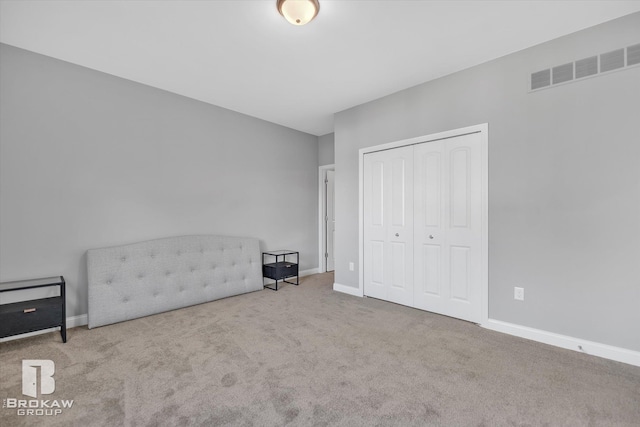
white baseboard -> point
(72, 322)
(589, 347)
(347, 289)
(309, 272)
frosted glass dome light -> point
(298, 12)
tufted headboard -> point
(140, 279)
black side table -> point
(282, 268)
(35, 314)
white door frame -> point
(322, 196)
(483, 129)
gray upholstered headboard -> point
(140, 279)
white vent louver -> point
(562, 73)
(586, 67)
(540, 79)
(612, 60)
(609, 61)
(633, 55)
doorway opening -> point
(326, 218)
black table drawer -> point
(28, 316)
(280, 270)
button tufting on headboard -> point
(166, 274)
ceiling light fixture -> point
(298, 12)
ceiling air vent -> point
(612, 60)
(562, 73)
(586, 67)
(633, 55)
(540, 79)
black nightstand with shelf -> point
(34, 314)
(283, 268)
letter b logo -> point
(30, 377)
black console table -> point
(34, 314)
(283, 268)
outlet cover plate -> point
(518, 293)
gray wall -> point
(90, 160)
(564, 181)
(326, 149)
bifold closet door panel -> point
(430, 238)
(448, 233)
(388, 225)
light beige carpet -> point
(309, 356)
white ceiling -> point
(244, 56)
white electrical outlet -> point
(518, 293)
(351, 267)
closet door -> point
(448, 234)
(388, 225)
